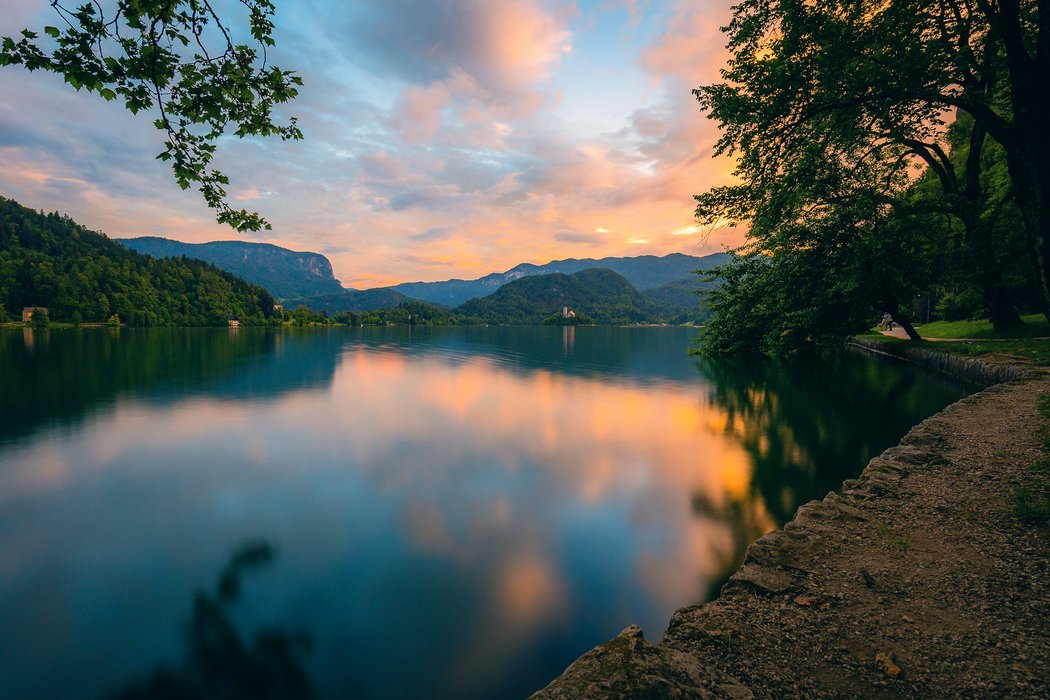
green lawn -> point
(1035, 327)
(1028, 351)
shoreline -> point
(916, 582)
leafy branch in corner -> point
(179, 58)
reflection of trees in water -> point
(807, 425)
(745, 520)
(58, 377)
(219, 664)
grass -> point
(980, 339)
(1031, 506)
(902, 543)
(1035, 327)
(1028, 351)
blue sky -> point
(443, 138)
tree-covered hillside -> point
(51, 261)
(356, 300)
(287, 274)
(602, 294)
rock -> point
(884, 663)
(630, 667)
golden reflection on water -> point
(644, 450)
(655, 446)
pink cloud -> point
(693, 47)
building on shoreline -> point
(27, 313)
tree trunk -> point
(894, 310)
(902, 321)
(1025, 142)
(1030, 174)
(1004, 316)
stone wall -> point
(969, 369)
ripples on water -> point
(449, 513)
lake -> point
(419, 513)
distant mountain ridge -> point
(643, 272)
(285, 273)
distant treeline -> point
(409, 313)
(48, 260)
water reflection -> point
(462, 511)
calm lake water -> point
(454, 513)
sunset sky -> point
(443, 138)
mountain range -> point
(644, 272)
(305, 278)
(286, 274)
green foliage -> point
(179, 58)
(50, 261)
(557, 319)
(39, 318)
(113, 321)
(407, 313)
(1031, 505)
(828, 107)
(602, 294)
(961, 306)
(357, 300)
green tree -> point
(814, 80)
(179, 58)
(39, 318)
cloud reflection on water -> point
(487, 510)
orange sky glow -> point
(442, 140)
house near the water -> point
(27, 312)
(232, 321)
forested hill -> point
(51, 261)
(643, 272)
(287, 274)
(356, 300)
(602, 294)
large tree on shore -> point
(867, 80)
(198, 74)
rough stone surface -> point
(630, 667)
(916, 582)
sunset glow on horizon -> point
(442, 139)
